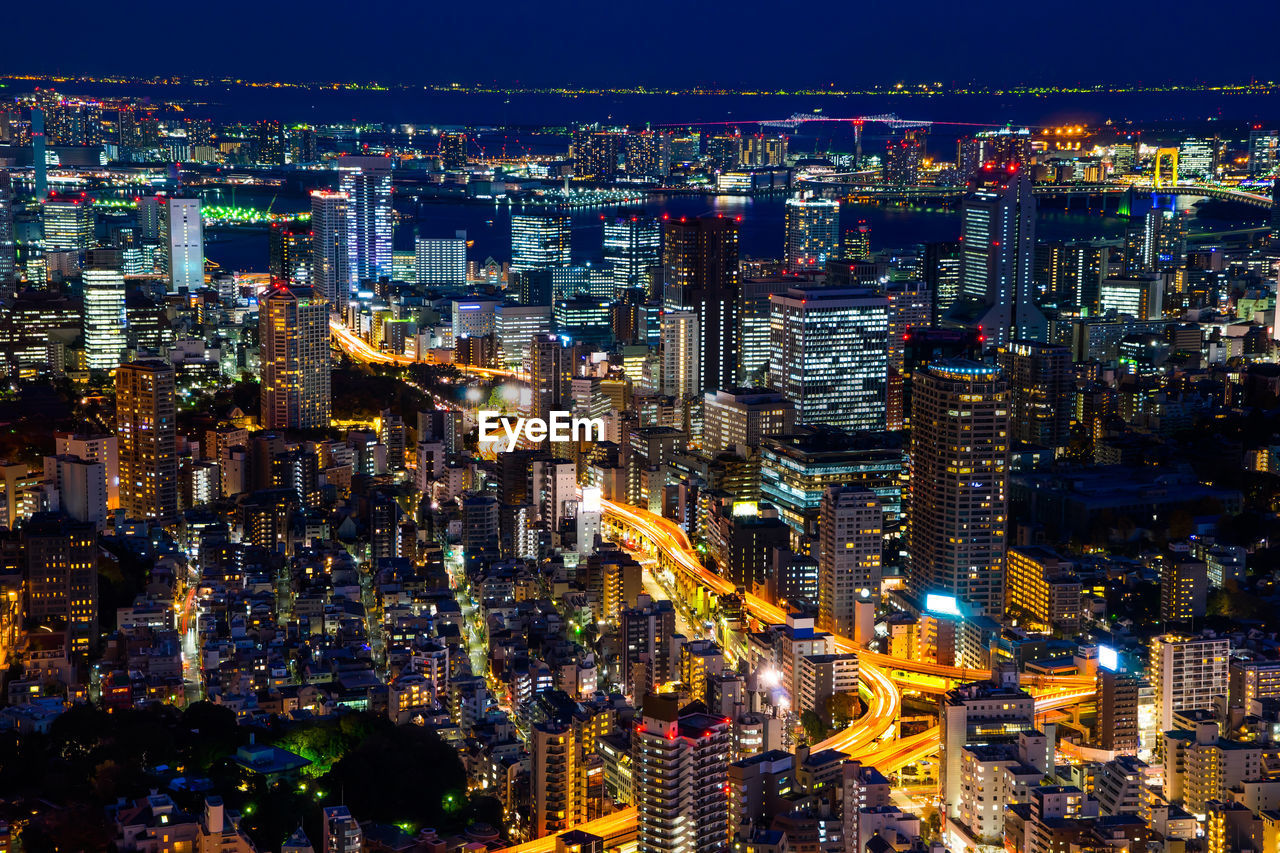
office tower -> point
(39, 154)
(1187, 674)
(1184, 591)
(102, 448)
(68, 223)
(515, 327)
(632, 246)
(941, 274)
(150, 215)
(902, 160)
(1069, 274)
(595, 154)
(680, 772)
(293, 335)
(441, 261)
(330, 260)
(8, 244)
(680, 366)
(850, 524)
(998, 149)
(1263, 153)
(762, 150)
(104, 317)
(146, 428)
(644, 636)
(540, 240)
(1116, 727)
(1041, 387)
(1160, 245)
(742, 417)
(453, 150)
(366, 181)
(700, 275)
(910, 308)
(342, 833)
(269, 137)
(755, 310)
(182, 241)
(813, 232)
(857, 241)
(959, 472)
(647, 155)
(997, 256)
(290, 252)
(550, 368)
(1197, 158)
(62, 577)
(724, 151)
(830, 355)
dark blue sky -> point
(665, 42)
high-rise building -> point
(61, 577)
(998, 149)
(596, 154)
(104, 317)
(857, 241)
(1197, 158)
(681, 374)
(293, 335)
(558, 776)
(1041, 388)
(902, 160)
(1069, 274)
(743, 417)
(102, 448)
(997, 257)
(1187, 674)
(68, 223)
(146, 427)
(830, 355)
(540, 240)
(644, 632)
(700, 275)
(366, 181)
(647, 155)
(910, 307)
(1116, 727)
(981, 712)
(762, 150)
(441, 261)
(1184, 591)
(182, 241)
(632, 246)
(850, 525)
(959, 473)
(453, 150)
(342, 832)
(271, 146)
(813, 232)
(8, 243)
(941, 273)
(550, 368)
(755, 317)
(330, 261)
(680, 779)
(290, 248)
(515, 327)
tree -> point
(813, 726)
(842, 708)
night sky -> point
(665, 42)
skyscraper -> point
(453, 150)
(146, 427)
(62, 577)
(595, 154)
(104, 317)
(550, 367)
(539, 240)
(8, 261)
(959, 472)
(681, 366)
(830, 355)
(290, 252)
(1041, 386)
(997, 257)
(632, 245)
(813, 232)
(850, 524)
(441, 261)
(68, 223)
(700, 275)
(293, 334)
(330, 263)
(182, 240)
(367, 184)
(680, 771)
(270, 142)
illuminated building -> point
(647, 154)
(558, 778)
(755, 313)
(441, 261)
(104, 317)
(910, 307)
(743, 417)
(82, 487)
(982, 713)
(453, 150)
(857, 241)
(902, 160)
(1041, 386)
(761, 150)
(632, 246)
(1187, 674)
(1116, 727)
(366, 181)
(830, 355)
(1042, 590)
(959, 472)
(1264, 150)
(550, 369)
(680, 777)
(342, 832)
(595, 154)
(473, 317)
(681, 349)
(998, 148)
(1139, 296)
(813, 232)
(724, 151)
(644, 634)
(293, 334)
(580, 280)
(1184, 591)
(700, 275)
(850, 524)
(8, 259)
(270, 142)
(68, 223)
(997, 256)
(941, 273)
(1197, 158)
(182, 240)
(584, 319)
(94, 448)
(540, 240)
(146, 428)
(290, 252)
(515, 327)
(62, 577)
(330, 263)
(1071, 273)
